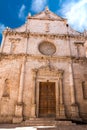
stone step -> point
(46, 123)
(77, 127)
(42, 119)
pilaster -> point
(74, 111)
(33, 111)
(19, 106)
(61, 105)
(74, 106)
(18, 118)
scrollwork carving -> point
(14, 40)
(28, 34)
(49, 71)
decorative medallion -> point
(47, 48)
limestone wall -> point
(18, 44)
(21, 54)
(10, 70)
(80, 77)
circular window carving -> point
(47, 48)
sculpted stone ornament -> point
(14, 40)
(47, 48)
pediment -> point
(48, 71)
(47, 14)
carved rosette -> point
(47, 48)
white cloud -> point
(38, 5)
(76, 13)
(22, 12)
(2, 27)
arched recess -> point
(51, 75)
(6, 92)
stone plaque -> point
(47, 48)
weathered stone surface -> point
(23, 66)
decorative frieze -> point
(14, 40)
(81, 60)
(81, 38)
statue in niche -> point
(6, 92)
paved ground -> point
(17, 127)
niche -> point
(6, 91)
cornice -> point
(46, 35)
(81, 60)
(43, 58)
(46, 18)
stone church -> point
(43, 71)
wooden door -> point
(47, 100)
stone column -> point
(21, 83)
(57, 99)
(61, 101)
(37, 99)
(71, 85)
(74, 106)
(33, 111)
(19, 106)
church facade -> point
(43, 71)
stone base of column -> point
(62, 112)
(33, 111)
(74, 111)
(18, 118)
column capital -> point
(61, 72)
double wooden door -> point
(47, 99)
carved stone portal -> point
(49, 78)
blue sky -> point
(13, 13)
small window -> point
(84, 87)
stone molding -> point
(46, 18)
(4, 56)
(82, 60)
(44, 35)
(47, 74)
(49, 71)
